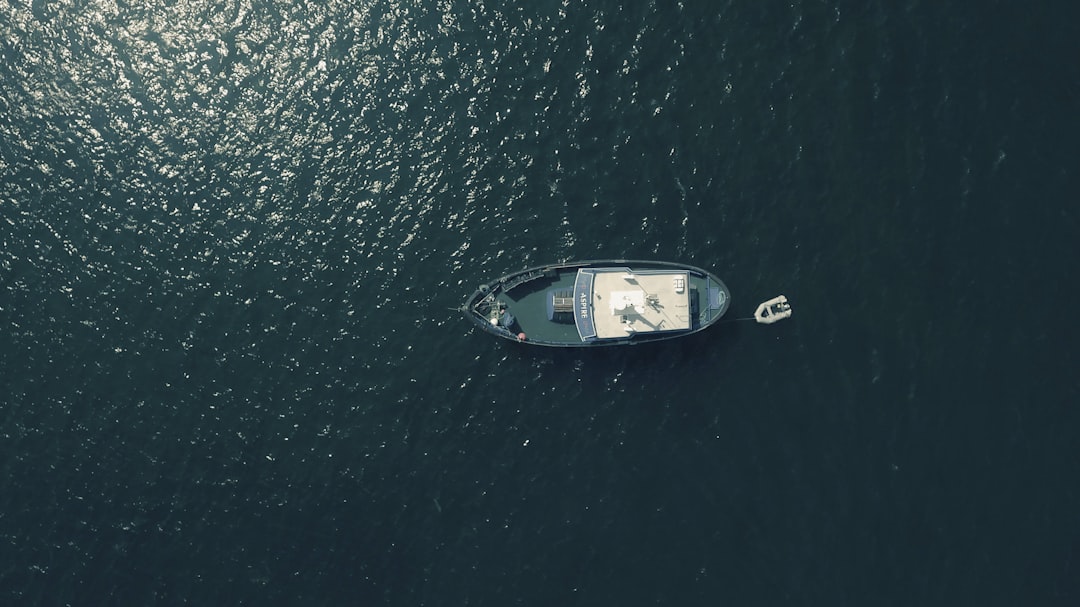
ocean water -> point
(233, 235)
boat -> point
(611, 302)
(773, 310)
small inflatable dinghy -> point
(773, 310)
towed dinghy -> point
(773, 310)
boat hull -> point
(598, 303)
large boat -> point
(599, 303)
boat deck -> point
(529, 305)
(626, 302)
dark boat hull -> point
(535, 305)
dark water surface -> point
(231, 234)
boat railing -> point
(521, 279)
